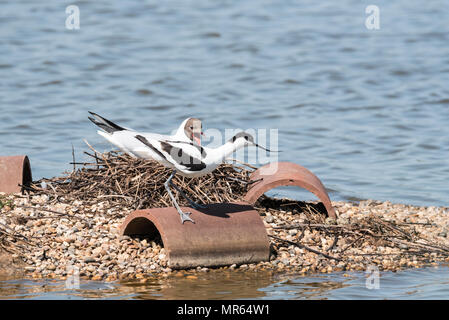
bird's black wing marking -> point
(105, 124)
(182, 158)
(148, 144)
(200, 148)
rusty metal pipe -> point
(15, 172)
(287, 174)
(223, 234)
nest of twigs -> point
(139, 183)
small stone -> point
(89, 259)
(51, 267)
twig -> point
(305, 247)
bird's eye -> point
(191, 128)
(246, 137)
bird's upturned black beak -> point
(255, 144)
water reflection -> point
(426, 283)
(212, 285)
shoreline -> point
(59, 236)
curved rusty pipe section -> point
(15, 172)
(223, 234)
(278, 174)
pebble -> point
(102, 254)
(269, 219)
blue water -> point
(365, 110)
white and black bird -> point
(190, 130)
(189, 160)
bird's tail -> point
(105, 124)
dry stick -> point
(244, 163)
(333, 243)
(138, 187)
(92, 155)
(417, 244)
(115, 196)
(118, 185)
(417, 223)
(73, 156)
(9, 250)
(90, 147)
(12, 233)
(93, 149)
(349, 245)
(303, 231)
(391, 226)
(389, 254)
(305, 247)
(311, 225)
(84, 163)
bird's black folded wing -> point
(148, 144)
(200, 148)
(181, 156)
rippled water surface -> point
(427, 283)
(365, 110)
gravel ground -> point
(47, 240)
